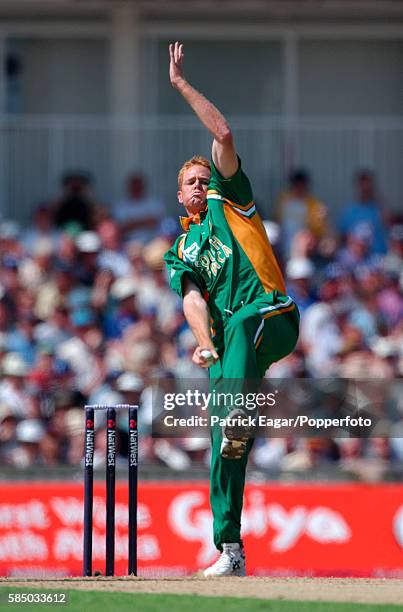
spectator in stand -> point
(153, 292)
(10, 280)
(30, 433)
(390, 301)
(36, 269)
(80, 351)
(365, 316)
(10, 243)
(124, 291)
(76, 203)
(364, 214)
(55, 292)
(139, 215)
(42, 229)
(20, 339)
(55, 329)
(357, 250)
(299, 209)
(131, 387)
(88, 245)
(13, 390)
(393, 260)
(299, 274)
(67, 253)
(42, 373)
(320, 335)
(112, 256)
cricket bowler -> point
(234, 300)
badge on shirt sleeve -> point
(190, 254)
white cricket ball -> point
(207, 356)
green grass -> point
(113, 601)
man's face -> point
(193, 191)
(109, 233)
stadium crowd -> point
(86, 316)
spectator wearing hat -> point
(131, 386)
(12, 386)
(29, 433)
(299, 272)
(88, 245)
(299, 209)
(364, 213)
(123, 291)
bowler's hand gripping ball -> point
(208, 357)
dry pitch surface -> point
(360, 590)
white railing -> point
(35, 151)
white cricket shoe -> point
(231, 562)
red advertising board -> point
(319, 530)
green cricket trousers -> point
(254, 337)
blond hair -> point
(196, 160)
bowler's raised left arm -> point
(223, 150)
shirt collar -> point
(197, 219)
